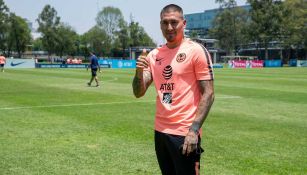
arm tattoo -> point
(205, 103)
(136, 85)
(140, 84)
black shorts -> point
(1, 65)
(94, 72)
(169, 154)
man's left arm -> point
(206, 101)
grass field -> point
(52, 123)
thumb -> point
(144, 52)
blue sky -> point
(81, 14)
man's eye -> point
(165, 23)
(174, 23)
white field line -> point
(227, 96)
(92, 104)
(114, 79)
(70, 105)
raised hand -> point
(141, 62)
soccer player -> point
(2, 62)
(94, 65)
(182, 74)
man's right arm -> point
(142, 78)
(141, 82)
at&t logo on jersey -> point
(167, 87)
(167, 72)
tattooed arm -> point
(142, 79)
(140, 83)
(205, 104)
(206, 101)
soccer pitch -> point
(52, 123)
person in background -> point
(2, 62)
(94, 66)
(183, 77)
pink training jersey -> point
(2, 60)
(176, 73)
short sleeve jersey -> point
(94, 62)
(2, 60)
(175, 74)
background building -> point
(198, 26)
(202, 22)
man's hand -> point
(142, 79)
(190, 143)
(141, 62)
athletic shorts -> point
(94, 72)
(1, 65)
(170, 158)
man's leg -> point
(163, 155)
(184, 165)
(89, 83)
(94, 74)
(97, 83)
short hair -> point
(170, 8)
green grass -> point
(52, 123)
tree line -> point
(268, 20)
(110, 37)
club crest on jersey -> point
(181, 57)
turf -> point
(52, 123)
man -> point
(182, 73)
(2, 62)
(94, 65)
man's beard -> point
(170, 37)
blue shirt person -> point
(94, 66)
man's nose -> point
(169, 26)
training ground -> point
(52, 123)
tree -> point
(194, 34)
(109, 20)
(96, 40)
(227, 3)
(265, 24)
(19, 35)
(138, 35)
(4, 14)
(65, 40)
(294, 28)
(37, 44)
(123, 36)
(229, 26)
(48, 22)
(120, 35)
